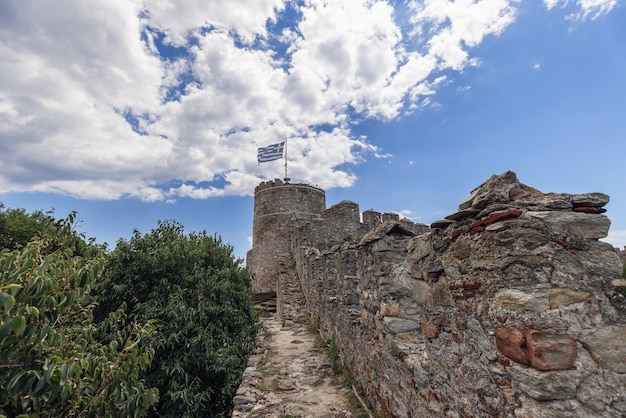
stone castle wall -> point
(282, 208)
(505, 308)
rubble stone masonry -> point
(505, 308)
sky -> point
(135, 111)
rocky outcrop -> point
(505, 308)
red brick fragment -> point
(501, 216)
(541, 350)
(477, 229)
(512, 343)
(588, 209)
(476, 223)
(455, 233)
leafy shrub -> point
(199, 297)
(51, 360)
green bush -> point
(199, 298)
(52, 362)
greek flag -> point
(270, 153)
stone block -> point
(389, 309)
(428, 330)
(590, 199)
(607, 346)
(422, 294)
(524, 237)
(586, 225)
(400, 325)
(388, 291)
(534, 298)
(418, 248)
(563, 297)
(546, 386)
(550, 351)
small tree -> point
(52, 362)
(17, 227)
(200, 299)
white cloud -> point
(616, 239)
(584, 8)
(89, 107)
(247, 18)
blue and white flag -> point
(270, 153)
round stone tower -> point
(279, 209)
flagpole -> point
(286, 176)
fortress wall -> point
(506, 308)
(371, 219)
(342, 222)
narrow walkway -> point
(290, 375)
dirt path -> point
(291, 376)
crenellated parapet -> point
(284, 210)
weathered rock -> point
(393, 291)
(498, 189)
(441, 224)
(476, 334)
(563, 297)
(422, 294)
(589, 199)
(428, 330)
(550, 351)
(586, 225)
(418, 248)
(535, 298)
(399, 325)
(607, 346)
(243, 400)
(521, 237)
(389, 309)
(618, 282)
(462, 214)
(546, 386)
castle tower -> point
(279, 208)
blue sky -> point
(130, 112)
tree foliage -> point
(53, 361)
(198, 296)
(17, 227)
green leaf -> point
(7, 301)
(4, 330)
(18, 325)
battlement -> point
(297, 209)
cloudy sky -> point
(131, 111)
